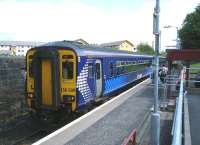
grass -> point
(195, 65)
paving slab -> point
(194, 116)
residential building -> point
(18, 48)
(120, 45)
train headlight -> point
(30, 95)
(68, 98)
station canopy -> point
(183, 54)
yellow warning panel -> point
(68, 75)
(47, 98)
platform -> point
(194, 115)
(108, 124)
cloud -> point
(72, 19)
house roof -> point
(82, 41)
(20, 43)
(115, 43)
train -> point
(69, 75)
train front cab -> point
(51, 79)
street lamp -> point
(177, 36)
(155, 116)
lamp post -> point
(155, 116)
(177, 36)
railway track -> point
(31, 138)
(32, 128)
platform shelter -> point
(187, 56)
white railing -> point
(177, 123)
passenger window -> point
(98, 71)
(90, 70)
(67, 70)
(111, 69)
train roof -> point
(91, 50)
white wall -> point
(21, 50)
(2, 47)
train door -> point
(46, 79)
(98, 78)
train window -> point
(98, 71)
(111, 69)
(122, 63)
(30, 69)
(118, 63)
(90, 70)
(67, 70)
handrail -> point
(177, 124)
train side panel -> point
(117, 77)
(85, 85)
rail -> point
(177, 124)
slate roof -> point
(81, 41)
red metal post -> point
(131, 140)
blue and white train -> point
(69, 75)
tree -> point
(144, 48)
(190, 32)
(163, 53)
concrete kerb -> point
(141, 129)
(187, 133)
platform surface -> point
(108, 125)
(194, 116)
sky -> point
(96, 21)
